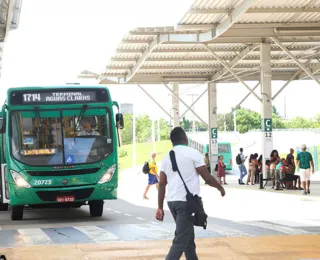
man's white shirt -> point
(188, 159)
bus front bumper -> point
(35, 196)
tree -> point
(300, 122)
(126, 132)
(247, 120)
(164, 129)
(228, 118)
(143, 128)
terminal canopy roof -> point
(218, 39)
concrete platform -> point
(279, 247)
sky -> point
(57, 39)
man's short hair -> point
(303, 146)
(177, 135)
(241, 149)
(86, 121)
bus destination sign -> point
(59, 97)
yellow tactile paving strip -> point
(237, 248)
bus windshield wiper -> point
(83, 110)
(37, 112)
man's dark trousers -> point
(184, 235)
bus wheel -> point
(96, 208)
(17, 212)
(4, 207)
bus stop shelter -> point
(223, 41)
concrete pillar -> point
(266, 107)
(175, 105)
(213, 126)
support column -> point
(213, 126)
(175, 105)
(266, 108)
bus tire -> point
(17, 212)
(96, 208)
(4, 207)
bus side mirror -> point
(119, 121)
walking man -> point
(304, 160)
(242, 168)
(191, 165)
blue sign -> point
(69, 159)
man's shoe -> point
(308, 191)
(305, 193)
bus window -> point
(224, 148)
(87, 138)
(34, 137)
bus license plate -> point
(65, 198)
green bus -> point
(59, 148)
(224, 148)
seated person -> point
(290, 177)
(87, 128)
(278, 168)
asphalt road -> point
(130, 218)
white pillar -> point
(158, 129)
(153, 136)
(213, 126)
(134, 154)
(175, 105)
(266, 107)
(235, 120)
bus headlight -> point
(108, 175)
(19, 180)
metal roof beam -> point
(188, 58)
(184, 50)
(145, 54)
(234, 62)
(9, 18)
(230, 70)
(244, 99)
(295, 59)
(134, 41)
(156, 102)
(196, 27)
(256, 10)
(165, 38)
(177, 96)
(313, 70)
(233, 17)
(286, 84)
(188, 108)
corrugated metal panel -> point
(284, 3)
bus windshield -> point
(56, 137)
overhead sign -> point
(267, 124)
(57, 96)
(214, 133)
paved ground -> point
(245, 212)
(281, 247)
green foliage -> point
(250, 120)
(123, 152)
(143, 129)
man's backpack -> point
(145, 168)
(238, 159)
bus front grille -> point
(63, 172)
(80, 194)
